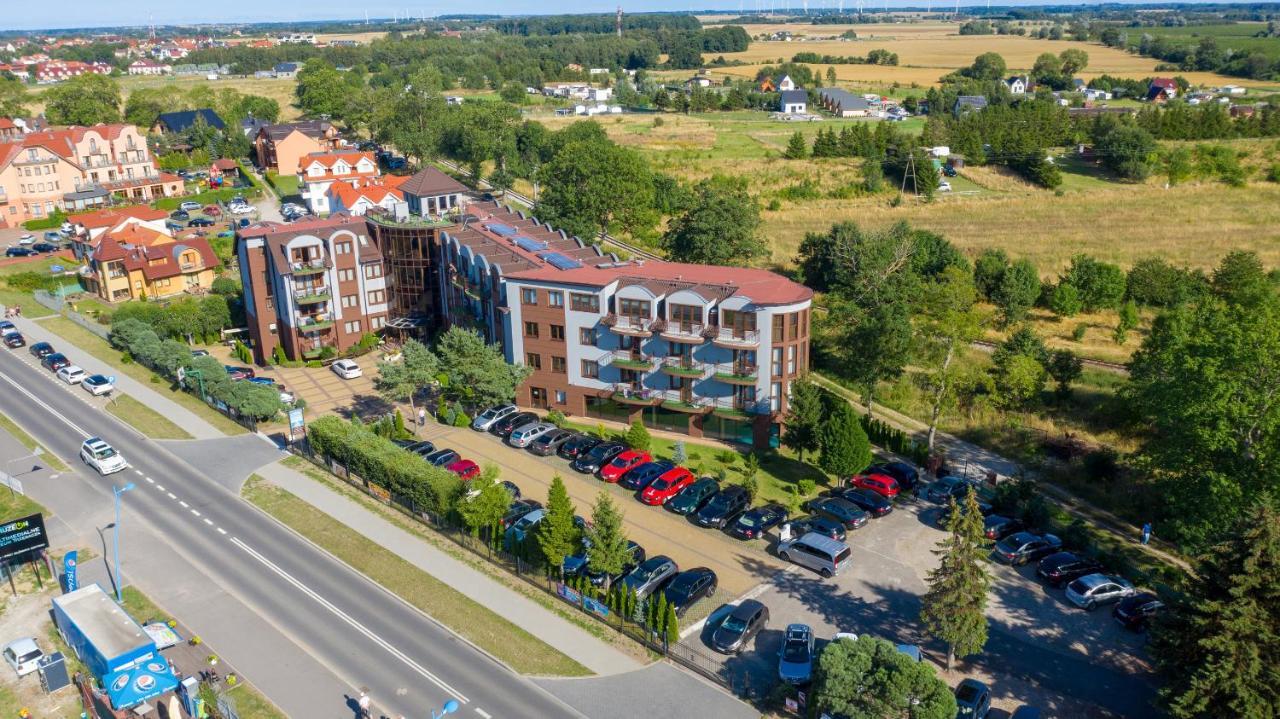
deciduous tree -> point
(718, 227)
(871, 679)
(83, 100)
(486, 502)
(949, 321)
(590, 185)
(1017, 292)
(402, 380)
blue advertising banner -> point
(69, 568)
(592, 605)
(568, 594)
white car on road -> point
(23, 655)
(101, 456)
(98, 384)
(71, 374)
(346, 369)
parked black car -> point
(577, 446)
(642, 475)
(908, 477)
(691, 498)
(944, 516)
(19, 252)
(723, 508)
(576, 564)
(1136, 612)
(54, 361)
(872, 503)
(505, 426)
(201, 222)
(600, 455)
(442, 457)
(1023, 547)
(689, 586)
(14, 339)
(948, 487)
(753, 523)
(547, 444)
(518, 509)
(512, 488)
(740, 627)
(839, 510)
(421, 448)
(41, 350)
(997, 526)
(180, 215)
(821, 525)
(1062, 568)
(44, 247)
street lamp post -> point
(449, 707)
(117, 491)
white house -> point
(1017, 85)
(148, 67)
(786, 84)
(600, 94)
(1092, 94)
(793, 102)
(1232, 90)
(319, 170)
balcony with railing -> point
(313, 323)
(733, 337)
(635, 393)
(630, 360)
(741, 373)
(311, 295)
(308, 266)
(739, 408)
(684, 366)
(685, 401)
(686, 332)
(630, 325)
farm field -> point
(1235, 36)
(280, 90)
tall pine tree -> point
(557, 534)
(1218, 644)
(804, 417)
(954, 607)
(609, 551)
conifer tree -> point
(954, 607)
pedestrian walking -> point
(1146, 533)
(363, 703)
(422, 416)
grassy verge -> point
(16, 505)
(8, 425)
(98, 347)
(508, 642)
(144, 419)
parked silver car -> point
(487, 418)
(524, 436)
(1094, 590)
(652, 575)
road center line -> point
(184, 504)
(483, 713)
(195, 512)
(150, 481)
(347, 618)
(83, 434)
(208, 521)
(172, 495)
(222, 531)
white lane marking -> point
(352, 622)
(138, 472)
(172, 495)
(149, 480)
(195, 512)
(222, 531)
(483, 713)
(83, 434)
(160, 487)
(208, 521)
(184, 504)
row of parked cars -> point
(57, 363)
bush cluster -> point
(894, 440)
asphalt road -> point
(359, 634)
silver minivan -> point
(487, 418)
(818, 552)
(524, 436)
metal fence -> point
(709, 666)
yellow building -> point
(137, 262)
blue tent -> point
(130, 687)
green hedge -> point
(894, 440)
(378, 460)
(52, 222)
(208, 197)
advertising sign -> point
(22, 535)
(69, 568)
(568, 594)
(297, 429)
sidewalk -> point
(196, 426)
(544, 624)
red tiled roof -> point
(762, 287)
(328, 159)
(114, 216)
(225, 163)
(156, 260)
(374, 192)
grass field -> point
(1234, 36)
(491, 632)
(280, 90)
(144, 419)
(98, 347)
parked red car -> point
(213, 211)
(623, 463)
(667, 485)
(465, 468)
(881, 484)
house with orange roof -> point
(382, 193)
(137, 262)
(283, 147)
(318, 171)
(73, 169)
(89, 227)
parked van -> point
(818, 552)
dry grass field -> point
(280, 90)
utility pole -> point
(617, 21)
(910, 171)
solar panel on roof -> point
(501, 229)
(560, 262)
(530, 244)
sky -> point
(96, 13)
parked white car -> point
(524, 436)
(98, 384)
(944, 186)
(346, 369)
(23, 655)
(190, 206)
(27, 239)
(71, 374)
(241, 209)
(487, 418)
(102, 456)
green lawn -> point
(283, 184)
(98, 347)
(13, 505)
(8, 425)
(144, 419)
(524, 652)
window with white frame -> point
(352, 327)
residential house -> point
(431, 193)
(842, 103)
(1094, 95)
(1232, 90)
(793, 102)
(969, 103)
(89, 227)
(1017, 85)
(1242, 110)
(250, 126)
(318, 170)
(183, 120)
(777, 84)
(1162, 89)
(224, 168)
(1078, 85)
(698, 81)
(282, 147)
(285, 69)
(358, 198)
(77, 168)
(136, 262)
(10, 130)
(17, 69)
(58, 70)
(148, 67)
